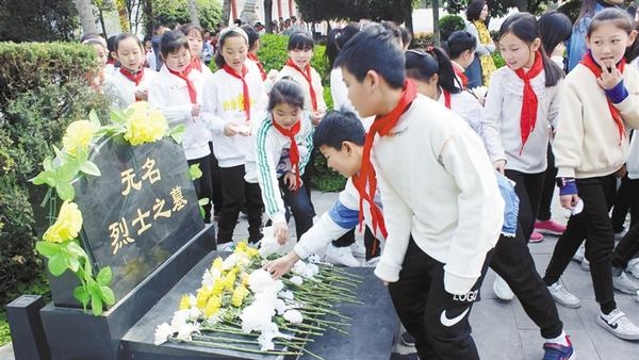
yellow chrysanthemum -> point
(252, 252)
(229, 280)
(217, 264)
(241, 246)
(239, 294)
(203, 295)
(245, 279)
(67, 225)
(212, 306)
(78, 136)
(185, 302)
(218, 286)
(144, 124)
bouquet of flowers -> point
(241, 307)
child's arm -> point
(398, 218)
(267, 173)
(491, 124)
(319, 91)
(553, 108)
(306, 146)
(177, 114)
(215, 124)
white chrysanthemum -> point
(269, 244)
(181, 317)
(209, 277)
(256, 316)
(162, 333)
(260, 280)
(267, 334)
(280, 306)
(185, 331)
(230, 262)
(314, 258)
(286, 294)
(297, 280)
(293, 316)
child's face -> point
(286, 115)
(234, 52)
(347, 161)
(359, 94)
(608, 43)
(301, 57)
(179, 60)
(129, 54)
(101, 52)
(195, 42)
(516, 52)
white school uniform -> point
(122, 89)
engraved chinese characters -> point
(140, 211)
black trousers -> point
(216, 183)
(528, 188)
(301, 207)
(627, 199)
(548, 189)
(513, 262)
(593, 224)
(627, 248)
(203, 185)
(237, 192)
(438, 320)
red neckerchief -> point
(589, 62)
(184, 75)
(111, 61)
(446, 98)
(382, 126)
(259, 64)
(307, 75)
(530, 102)
(460, 74)
(294, 153)
(245, 90)
(196, 63)
(136, 78)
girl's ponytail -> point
(447, 78)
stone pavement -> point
(501, 330)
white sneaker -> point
(624, 284)
(563, 297)
(358, 249)
(585, 265)
(340, 256)
(227, 246)
(501, 289)
(619, 325)
(580, 254)
(633, 267)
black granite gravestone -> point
(135, 215)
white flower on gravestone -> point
(257, 316)
(210, 276)
(230, 262)
(269, 244)
(185, 331)
(260, 280)
(162, 333)
(293, 316)
(182, 317)
(280, 306)
(297, 280)
(267, 334)
(286, 294)
(306, 270)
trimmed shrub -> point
(422, 40)
(45, 87)
(448, 24)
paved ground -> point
(502, 330)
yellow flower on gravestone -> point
(78, 136)
(67, 225)
(144, 124)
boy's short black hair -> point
(338, 126)
(376, 49)
(300, 41)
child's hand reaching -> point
(195, 110)
(290, 179)
(280, 230)
(610, 75)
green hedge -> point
(448, 24)
(45, 87)
(422, 40)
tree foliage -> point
(37, 20)
(497, 7)
(172, 12)
(317, 10)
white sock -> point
(561, 339)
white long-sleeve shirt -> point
(122, 90)
(501, 121)
(267, 158)
(169, 94)
(223, 102)
(316, 82)
(438, 185)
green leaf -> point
(107, 295)
(73, 263)
(93, 118)
(195, 172)
(57, 264)
(177, 132)
(47, 164)
(89, 168)
(117, 116)
(96, 304)
(104, 276)
(81, 155)
(58, 152)
(47, 249)
(81, 294)
(65, 191)
(68, 171)
(75, 250)
(47, 177)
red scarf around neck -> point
(294, 153)
(307, 75)
(184, 75)
(253, 57)
(446, 98)
(135, 77)
(382, 126)
(590, 63)
(530, 103)
(245, 89)
(196, 63)
(460, 74)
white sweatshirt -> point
(501, 121)
(267, 159)
(223, 102)
(316, 82)
(122, 90)
(438, 185)
(169, 94)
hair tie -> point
(430, 49)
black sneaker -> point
(407, 339)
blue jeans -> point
(473, 73)
(300, 205)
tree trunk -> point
(522, 5)
(193, 13)
(268, 15)
(226, 12)
(407, 14)
(148, 17)
(437, 34)
(87, 19)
